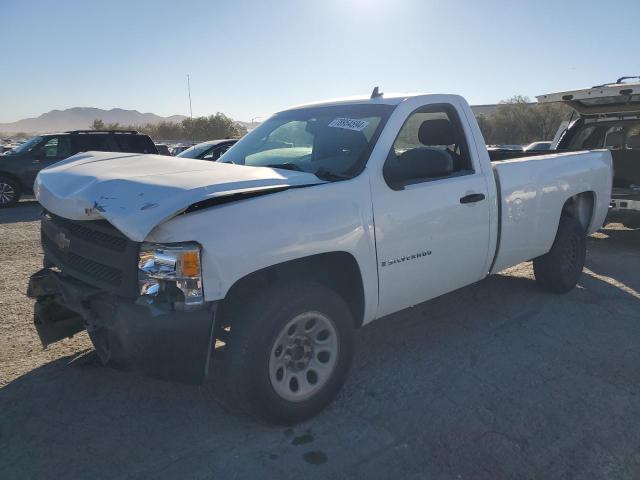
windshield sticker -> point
(349, 124)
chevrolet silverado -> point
(322, 219)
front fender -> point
(243, 237)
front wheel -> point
(9, 192)
(289, 352)
(558, 270)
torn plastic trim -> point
(144, 335)
(237, 196)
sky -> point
(249, 59)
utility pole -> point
(190, 108)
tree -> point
(97, 124)
(199, 129)
(518, 121)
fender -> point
(249, 235)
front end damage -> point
(147, 318)
(142, 303)
(145, 335)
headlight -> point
(163, 267)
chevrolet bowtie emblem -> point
(62, 241)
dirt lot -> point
(498, 380)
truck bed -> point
(531, 193)
(626, 163)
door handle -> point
(472, 198)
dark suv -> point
(19, 167)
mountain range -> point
(79, 118)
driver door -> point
(432, 233)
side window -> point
(56, 148)
(87, 142)
(633, 138)
(224, 149)
(212, 154)
(134, 143)
(216, 152)
(99, 143)
(614, 138)
(585, 137)
(430, 145)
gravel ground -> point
(497, 380)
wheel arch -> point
(581, 206)
(13, 177)
(338, 270)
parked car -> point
(163, 149)
(177, 149)
(321, 220)
(538, 147)
(211, 150)
(517, 148)
(609, 117)
(19, 167)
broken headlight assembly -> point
(173, 271)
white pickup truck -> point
(321, 220)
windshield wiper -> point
(324, 174)
(286, 166)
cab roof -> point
(383, 99)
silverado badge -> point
(404, 258)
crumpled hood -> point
(136, 192)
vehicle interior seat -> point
(614, 141)
(333, 143)
(440, 132)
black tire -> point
(10, 192)
(558, 270)
(257, 325)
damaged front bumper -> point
(146, 334)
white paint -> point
(535, 189)
(242, 237)
(137, 192)
(612, 99)
(604, 91)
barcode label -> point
(349, 124)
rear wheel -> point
(9, 192)
(558, 270)
(289, 352)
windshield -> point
(195, 151)
(25, 147)
(331, 142)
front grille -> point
(95, 270)
(110, 241)
(93, 252)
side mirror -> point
(418, 164)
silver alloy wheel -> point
(7, 193)
(303, 356)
